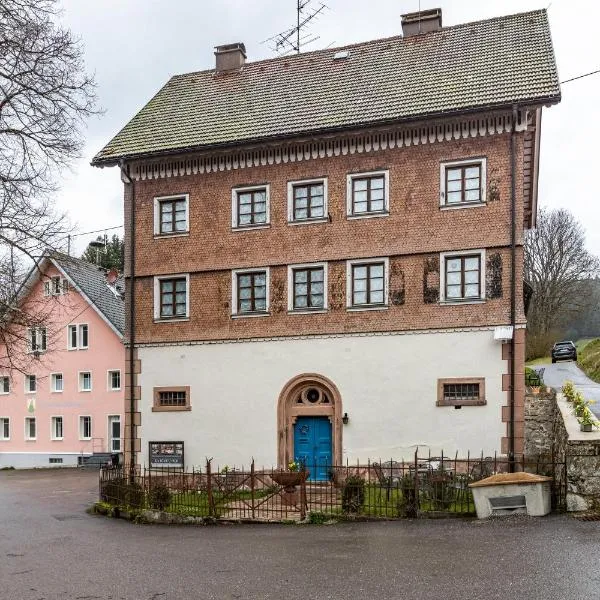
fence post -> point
(252, 486)
(209, 494)
(303, 499)
(416, 480)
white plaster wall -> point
(388, 385)
(37, 460)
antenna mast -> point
(296, 38)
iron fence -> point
(425, 486)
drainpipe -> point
(513, 286)
(127, 180)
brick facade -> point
(413, 235)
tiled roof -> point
(91, 280)
(491, 63)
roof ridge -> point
(302, 55)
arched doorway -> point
(309, 423)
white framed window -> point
(56, 382)
(4, 385)
(172, 215)
(368, 194)
(114, 380)
(56, 286)
(114, 433)
(307, 287)
(78, 336)
(307, 200)
(30, 428)
(367, 283)
(462, 276)
(36, 339)
(4, 429)
(30, 384)
(172, 297)
(250, 292)
(463, 183)
(85, 428)
(85, 381)
(250, 206)
(57, 428)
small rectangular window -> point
(5, 384)
(461, 392)
(37, 339)
(72, 337)
(250, 206)
(56, 286)
(368, 284)
(463, 183)
(85, 428)
(462, 277)
(171, 399)
(368, 194)
(308, 288)
(252, 292)
(4, 428)
(57, 428)
(30, 383)
(173, 298)
(173, 215)
(55, 460)
(83, 336)
(30, 428)
(308, 200)
(85, 381)
(114, 380)
(57, 382)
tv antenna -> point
(297, 37)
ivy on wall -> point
(493, 276)
(431, 278)
(397, 290)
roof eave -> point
(533, 102)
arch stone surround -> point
(288, 411)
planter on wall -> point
(289, 479)
(586, 427)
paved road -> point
(556, 374)
(50, 549)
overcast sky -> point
(134, 46)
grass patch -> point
(589, 359)
(544, 360)
(195, 504)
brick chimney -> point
(230, 57)
(421, 22)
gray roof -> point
(463, 68)
(91, 280)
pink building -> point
(62, 385)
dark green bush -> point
(353, 494)
(120, 492)
(408, 501)
(159, 496)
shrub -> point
(353, 494)
(159, 496)
(120, 492)
(408, 502)
(317, 518)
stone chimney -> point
(112, 276)
(230, 57)
(421, 22)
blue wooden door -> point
(312, 445)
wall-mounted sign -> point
(166, 454)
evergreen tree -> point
(111, 256)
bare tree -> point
(559, 269)
(45, 97)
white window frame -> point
(234, 293)
(2, 378)
(49, 287)
(234, 207)
(38, 339)
(350, 177)
(26, 381)
(81, 436)
(290, 282)
(53, 383)
(482, 161)
(77, 328)
(110, 438)
(443, 257)
(27, 436)
(109, 386)
(290, 200)
(157, 201)
(2, 438)
(80, 381)
(53, 435)
(386, 274)
(80, 345)
(157, 280)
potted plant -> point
(295, 475)
(587, 421)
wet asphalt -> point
(556, 374)
(51, 549)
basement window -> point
(171, 398)
(461, 392)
